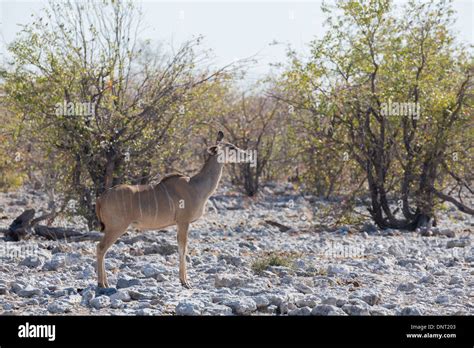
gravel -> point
(350, 270)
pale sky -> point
(232, 29)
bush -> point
(273, 259)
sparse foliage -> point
(369, 59)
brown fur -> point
(175, 200)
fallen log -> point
(25, 225)
(21, 226)
(69, 234)
(55, 233)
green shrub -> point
(273, 259)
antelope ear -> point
(220, 136)
(212, 150)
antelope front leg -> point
(182, 251)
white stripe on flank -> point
(139, 201)
(140, 204)
(123, 204)
(156, 201)
(170, 201)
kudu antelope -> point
(176, 200)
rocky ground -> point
(242, 264)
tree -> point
(395, 90)
(103, 104)
(11, 154)
(251, 122)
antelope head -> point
(229, 153)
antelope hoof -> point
(103, 285)
(186, 284)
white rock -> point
(275, 299)
(325, 309)
(356, 308)
(305, 289)
(161, 278)
(16, 286)
(31, 261)
(29, 291)
(73, 299)
(126, 282)
(286, 307)
(229, 281)
(307, 301)
(410, 310)
(138, 295)
(337, 270)
(87, 295)
(442, 299)
(380, 311)
(121, 295)
(329, 301)
(427, 279)
(232, 260)
(8, 306)
(58, 307)
(406, 287)
(217, 309)
(100, 302)
(188, 307)
(116, 303)
(370, 297)
(56, 262)
(303, 311)
(144, 312)
(242, 306)
(150, 271)
(394, 251)
(261, 301)
(456, 280)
